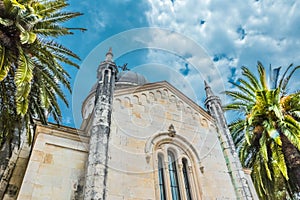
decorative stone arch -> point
(160, 144)
(173, 98)
(127, 102)
(158, 94)
(144, 98)
(151, 97)
(157, 139)
(118, 103)
(135, 99)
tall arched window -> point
(173, 176)
(186, 179)
(177, 169)
(161, 178)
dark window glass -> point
(161, 178)
(173, 177)
(186, 179)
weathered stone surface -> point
(243, 186)
(96, 174)
(55, 165)
(127, 130)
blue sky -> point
(195, 40)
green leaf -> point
(24, 37)
(27, 37)
(247, 137)
(262, 75)
(17, 4)
(3, 67)
(45, 101)
(6, 22)
(278, 157)
(23, 79)
(32, 37)
(264, 154)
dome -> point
(126, 79)
(130, 78)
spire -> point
(107, 62)
(99, 131)
(208, 90)
(109, 55)
(214, 107)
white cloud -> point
(242, 31)
(232, 33)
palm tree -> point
(32, 76)
(267, 135)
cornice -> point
(60, 131)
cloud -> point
(215, 38)
(233, 33)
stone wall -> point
(140, 126)
(143, 117)
(56, 166)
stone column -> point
(242, 189)
(181, 180)
(194, 193)
(96, 173)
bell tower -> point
(239, 180)
(99, 131)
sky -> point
(182, 41)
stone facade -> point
(125, 152)
(141, 119)
(56, 166)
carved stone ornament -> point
(171, 131)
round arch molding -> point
(162, 138)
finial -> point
(109, 55)
(205, 84)
(208, 90)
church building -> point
(137, 141)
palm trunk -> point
(2, 8)
(5, 40)
(292, 158)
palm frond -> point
(23, 79)
(253, 80)
(239, 96)
(238, 106)
(59, 17)
(4, 68)
(60, 49)
(243, 89)
(269, 131)
(278, 159)
(282, 79)
(287, 79)
(247, 85)
(32, 77)
(262, 75)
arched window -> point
(173, 176)
(186, 179)
(161, 178)
(177, 168)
